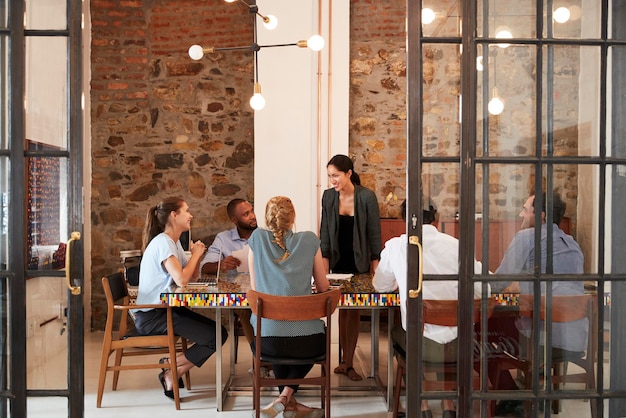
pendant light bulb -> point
(270, 22)
(496, 105)
(561, 15)
(196, 52)
(257, 101)
(428, 16)
(316, 43)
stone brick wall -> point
(163, 124)
(378, 99)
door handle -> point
(414, 293)
(75, 236)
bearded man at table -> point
(440, 256)
(568, 338)
(220, 254)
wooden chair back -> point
(563, 309)
(123, 345)
(293, 308)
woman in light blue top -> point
(282, 263)
(164, 263)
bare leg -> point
(182, 366)
(349, 321)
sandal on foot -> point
(352, 374)
(164, 360)
(341, 369)
(168, 393)
(273, 409)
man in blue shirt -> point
(568, 338)
(241, 213)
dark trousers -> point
(187, 324)
(301, 347)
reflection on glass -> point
(506, 105)
(47, 342)
(442, 87)
(614, 220)
(4, 213)
(564, 20)
(441, 18)
(571, 100)
(46, 91)
(46, 14)
(4, 90)
(47, 213)
(616, 146)
(518, 18)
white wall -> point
(302, 125)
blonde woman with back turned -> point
(281, 263)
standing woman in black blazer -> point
(350, 242)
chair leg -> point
(103, 375)
(183, 343)
(398, 387)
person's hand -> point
(197, 247)
(229, 263)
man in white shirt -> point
(440, 256)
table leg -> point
(390, 323)
(218, 360)
(375, 329)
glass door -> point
(41, 256)
(515, 132)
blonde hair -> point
(279, 217)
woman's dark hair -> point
(157, 217)
(344, 164)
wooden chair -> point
(444, 313)
(292, 308)
(564, 309)
(126, 344)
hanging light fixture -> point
(257, 101)
(495, 105)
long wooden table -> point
(230, 294)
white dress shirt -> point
(440, 256)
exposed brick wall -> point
(378, 99)
(163, 124)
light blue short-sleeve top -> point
(290, 277)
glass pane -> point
(4, 334)
(498, 19)
(578, 188)
(501, 192)
(442, 88)
(4, 213)
(614, 222)
(571, 100)
(506, 100)
(441, 18)
(566, 19)
(4, 90)
(47, 208)
(46, 338)
(616, 107)
(46, 14)
(46, 91)
(4, 13)
(616, 29)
